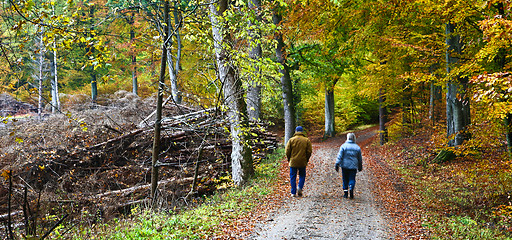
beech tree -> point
(457, 102)
(286, 81)
(255, 54)
(492, 88)
(241, 155)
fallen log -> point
(126, 191)
(4, 217)
(120, 206)
(144, 122)
(179, 118)
(132, 133)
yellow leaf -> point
(6, 174)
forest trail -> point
(322, 213)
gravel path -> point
(322, 213)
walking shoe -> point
(351, 193)
(299, 192)
(345, 194)
(294, 195)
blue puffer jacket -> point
(349, 156)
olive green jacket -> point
(298, 150)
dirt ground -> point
(322, 213)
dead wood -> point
(127, 191)
(95, 168)
(4, 217)
(132, 133)
(145, 121)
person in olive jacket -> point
(350, 160)
(298, 151)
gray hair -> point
(351, 136)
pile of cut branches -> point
(104, 171)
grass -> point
(217, 215)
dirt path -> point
(322, 213)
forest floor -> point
(379, 209)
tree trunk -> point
(329, 113)
(178, 21)
(135, 85)
(158, 116)
(174, 67)
(383, 118)
(94, 87)
(457, 104)
(508, 134)
(42, 50)
(435, 99)
(55, 83)
(173, 75)
(501, 61)
(286, 82)
(241, 156)
(255, 53)
(94, 84)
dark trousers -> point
(293, 178)
(349, 178)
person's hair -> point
(351, 136)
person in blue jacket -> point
(350, 160)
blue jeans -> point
(293, 178)
(349, 178)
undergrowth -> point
(466, 198)
(215, 217)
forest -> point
(110, 106)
